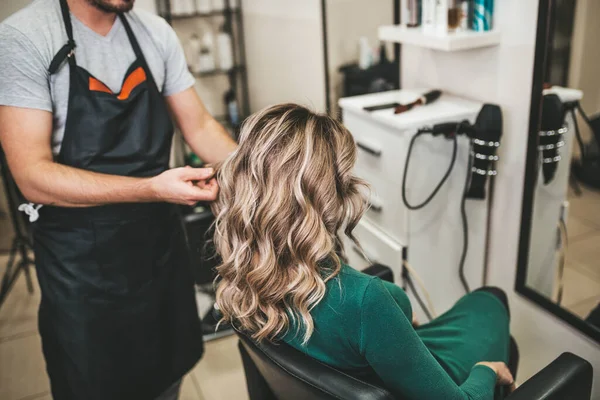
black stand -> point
(21, 245)
(198, 222)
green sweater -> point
(363, 326)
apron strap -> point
(136, 48)
(68, 50)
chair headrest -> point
(293, 375)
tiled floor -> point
(582, 267)
(218, 376)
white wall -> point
(284, 52)
(585, 54)
(8, 7)
(284, 46)
(148, 5)
(585, 57)
(503, 75)
(347, 21)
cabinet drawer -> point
(381, 151)
(378, 248)
(386, 208)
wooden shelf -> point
(450, 42)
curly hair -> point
(285, 195)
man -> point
(87, 91)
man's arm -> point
(207, 138)
(25, 137)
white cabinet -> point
(433, 235)
(377, 247)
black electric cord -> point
(564, 245)
(418, 297)
(577, 132)
(440, 184)
(583, 114)
(465, 224)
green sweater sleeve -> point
(396, 353)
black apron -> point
(118, 317)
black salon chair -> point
(280, 372)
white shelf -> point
(450, 42)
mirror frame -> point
(544, 24)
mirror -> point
(559, 255)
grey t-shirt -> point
(30, 39)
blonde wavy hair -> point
(285, 194)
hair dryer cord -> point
(442, 181)
(465, 226)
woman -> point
(285, 194)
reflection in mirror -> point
(564, 247)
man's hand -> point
(185, 186)
(415, 321)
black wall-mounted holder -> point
(486, 132)
(485, 137)
(552, 131)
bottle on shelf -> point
(365, 53)
(225, 49)
(192, 53)
(231, 104)
(465, 10)
(454, 15)
(483, 15)
(203, 6)
(443, 10)
(206, 59)
(183, 7)
(383, 56)
(413, 11)
(428, 15)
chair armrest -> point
(567, 377)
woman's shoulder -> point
(347, 287)
(370, 286)
(352, 276)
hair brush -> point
(427, 98)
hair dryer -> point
(486, 135)
(551, 135)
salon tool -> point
(485, 134)
(427, 98)
(551, 138)
(382, 106)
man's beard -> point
(108, 7)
